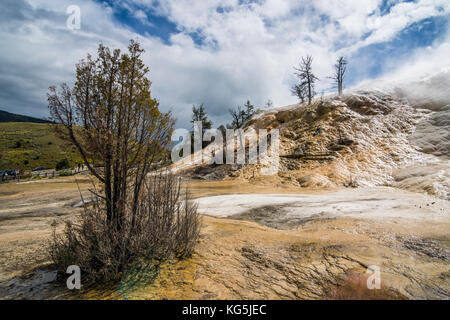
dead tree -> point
(238, 117)
(307, 78)
(299, 91)
(340, 67)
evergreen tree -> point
(199, 114)
(249, 110)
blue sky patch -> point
(155, 25)
(382, 57)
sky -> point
(220, 52)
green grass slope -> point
(26, 146)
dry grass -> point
(164, 225)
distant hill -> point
(363, 138)
(28, 145)
(12, 117)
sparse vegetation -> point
(165, 225)
(199, 114)
(240, 115)
(269, 104)
(237, 116)
(65, 174)
(116, 126)
(62, 164)
(18, 144)
(299, 91)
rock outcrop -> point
(364, 138)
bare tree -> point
(269, 104)
(237, 116)
(240, 115)
(340, 67)
(306, 77)
(299, 91)
(114, 123)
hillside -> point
(365, 138)
(29, 145)
(12, 117)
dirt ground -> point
(246, 255)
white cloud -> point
(142, 17)
(247, 52)
(423, 63)
(402, 15)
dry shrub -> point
(164, 225)
(354, 287)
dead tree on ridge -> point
(306, 77)
(340, 67)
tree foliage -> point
(62, 164)
(249, 110)
(199, 114)
(115, 124)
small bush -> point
(18, 144)
(62, 164)
(26, 175)
(164, 225)
(66, 174)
